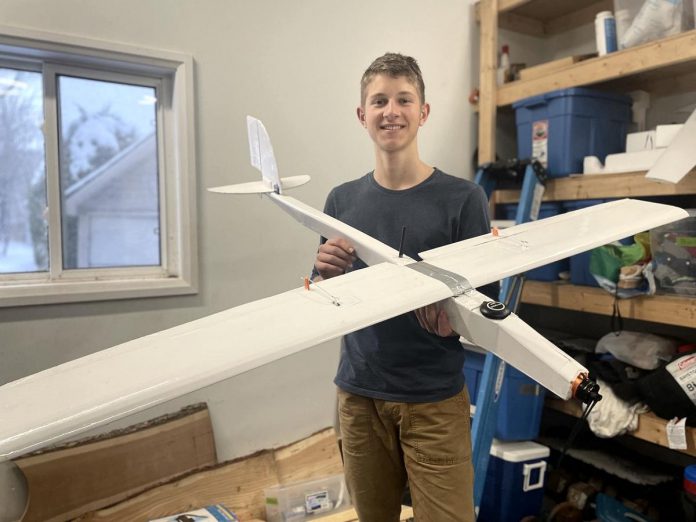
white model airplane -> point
(52, 405)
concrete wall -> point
(296, 65)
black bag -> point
(670, 391)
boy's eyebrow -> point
(401, 93)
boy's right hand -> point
(334, 257)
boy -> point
(402, 404)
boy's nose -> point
(390, 109)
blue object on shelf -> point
(521, 400)
(561, 127)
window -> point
(96, 171)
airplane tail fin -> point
(263, 159)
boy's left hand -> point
(434, 319)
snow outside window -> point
(96, 170)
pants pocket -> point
(355, 417)
(441, 431)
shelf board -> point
(666, 309)
(547, 17)
(651, 428)
(622, 185)
(672, 56)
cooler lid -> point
(519, 451)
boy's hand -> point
(434, 319)
(334, 257)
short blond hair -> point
(394, 65)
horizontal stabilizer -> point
(260, 187)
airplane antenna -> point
(401, 243)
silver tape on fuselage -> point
(455, 282)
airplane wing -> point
(52, 405)
(488, 258)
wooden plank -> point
(665, 309)
(87, 475)
(315, 456)
(351, 516)
(553, 67)
(674, 50)
(651, 428)
(487, 81)
(623, 185)
(239, 484)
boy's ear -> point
(425, 112)
(361, 116)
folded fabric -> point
(611, 416)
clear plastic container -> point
(304, 500)
(640, 21)
(674, 254)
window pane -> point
(108, 174)
(23, 227)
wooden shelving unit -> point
(665, 58)
(663, 66)
(651, 428)
(666, 309)
(667, 65)
(623, 185)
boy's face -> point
(392, 112)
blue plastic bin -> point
(514, 486)
(562, 127)
(547, 272)
(521, 400)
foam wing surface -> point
(68, 399)
(488, 258)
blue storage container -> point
(547, 272)
(580, 263)
(561, 127)
(521, 401)
(514, 486)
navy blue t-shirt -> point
(397, 360)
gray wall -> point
(296, 65)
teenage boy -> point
(403, 406)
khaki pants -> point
(385, 443)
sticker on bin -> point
(318, 502)
(540, 141)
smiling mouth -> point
(392, 127)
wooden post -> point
(487, 80)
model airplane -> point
(144, 372)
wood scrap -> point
(239, 485)
(74, 478)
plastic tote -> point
(560, 128)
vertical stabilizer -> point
(261, 152)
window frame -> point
(171, 74)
